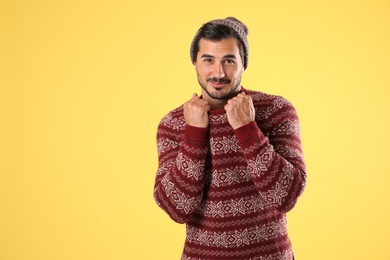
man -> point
(230, 160)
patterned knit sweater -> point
(232, 188)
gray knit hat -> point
(240, 29)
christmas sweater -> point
(232, 188)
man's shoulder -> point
(174, 119)
(176, 112)
(262, 99)
(271, 110)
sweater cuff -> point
(196, 136)
(248, 134)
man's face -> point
(219, 68)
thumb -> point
(194, 96)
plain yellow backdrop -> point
(85, 83)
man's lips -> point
(218, 83)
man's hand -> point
(240, 110)
(195, 112)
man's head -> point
(219, 53)
(219, 29)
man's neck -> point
(217, 104)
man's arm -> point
(180, 176)
(277, 166)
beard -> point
(219, 94)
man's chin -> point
(218, 94)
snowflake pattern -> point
(238, 207)
(203, 238)
(179, 198)
(277, 195)
(220, 239)
(264, 113)
(215, 209)
(168, 186)
(257, 164)
(191, 168)
(230, 176)
(164, 168)
(183, 203)
(289, 127)
(261, 233)
(224, 145)
(242, 237)
(233, 207)
(261, 162)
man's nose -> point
(218, 71)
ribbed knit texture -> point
(232, 188)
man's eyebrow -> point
(230, 56)
(207, 56)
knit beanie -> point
(240, 29)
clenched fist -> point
(240, 110)
(196, 112)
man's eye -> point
(207, 60)
(229, 61)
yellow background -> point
(85, 83)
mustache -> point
(220, 80)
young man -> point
(230, 160)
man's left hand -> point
(240, 110)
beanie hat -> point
(239, 28)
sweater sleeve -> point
(276, 162)
(180, 176)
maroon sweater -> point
(232, 188)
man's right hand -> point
(195, 112)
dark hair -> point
(216, 32)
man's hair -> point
(216, 32)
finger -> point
(194, 97)
(242, 94)
(244, 98)
(230, 101)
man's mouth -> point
(218, 83)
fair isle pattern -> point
(232, 188)
(227, 176)
(180, 199)
(236, 238)
(288, 254)
(234, 207)
(223, 145)
(192, 168)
